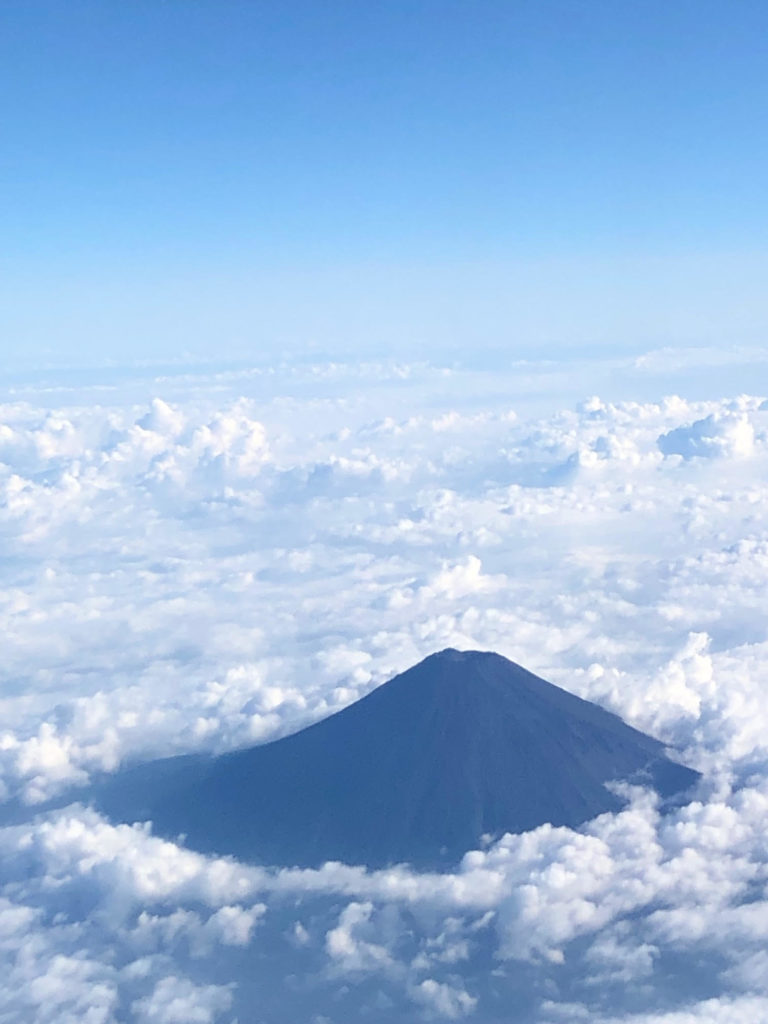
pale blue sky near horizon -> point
(226, 179)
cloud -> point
(710, 1011)
(443, 1001)
(178, 1001)
(347, 947)
(460, 581)
(720, 434)
(197, 570)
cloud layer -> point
(202, 571)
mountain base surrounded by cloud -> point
(205, 561)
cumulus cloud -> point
(444, 1001)
(719, 434)
(179, 1001)
(201, 570)
(348, 948)
(742, 1010)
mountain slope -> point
(462, 744)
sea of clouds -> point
(202, 560)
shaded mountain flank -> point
(462, 745)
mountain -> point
(461, 745)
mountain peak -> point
(451, 654)
(463, 744)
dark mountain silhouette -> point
(461, 745)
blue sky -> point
(225, 179)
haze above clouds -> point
(227, 560)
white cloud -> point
(744, 1010)
(445, 1001)
(201, 571)
(348, 948)
(719, 434)
(178, 1001)
(460, 581)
